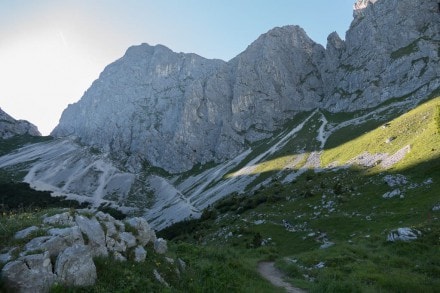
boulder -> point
(403, 234)
(92, 229)
(140, 254)
(25, 232)
(145, 233)
(395, 180)
(64, 219)
(128, 238)
(394, 193)
(160, 246)
(71, 235)
(31, 273)
(52, 244)
(75, 267)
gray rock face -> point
(75, 267)
(175, 110)
(390, 51)
(10, 127)
(29, 274)
(92, 229)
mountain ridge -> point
(166, 134)
(10, 127)
(160, 106)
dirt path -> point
(273, 275)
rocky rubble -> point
(65, 254)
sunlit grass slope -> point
(417, 129)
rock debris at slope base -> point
(176, 110)
(68, 252)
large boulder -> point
(29, 274)
(144, 232)
(94, 234)
(75, 267)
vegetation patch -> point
(404, 51)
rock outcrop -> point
(403, 234)
(65, 255)
(10, 127)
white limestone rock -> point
(139, 254)
(29, 274)
(63, 219)
(25, 232)
(75, 267)
(161, 98)
(393, 193)
(160, 246)
(51, 244)
(176, 110)
(403, 234)
(128, 238)
(144, 232)
(395, 180)
(95, 234)
(10, 127)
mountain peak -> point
(10, 127)
(361, 5)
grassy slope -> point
(361, 259)
(222, 249)
(416, 128)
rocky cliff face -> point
(175, 110)
(390, 51)
(10, 127)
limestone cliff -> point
(10, 127)
(175, 110)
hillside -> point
(327, 230)
(326, 227)
(323, 162)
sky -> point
(52, 50)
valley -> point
(317, 166)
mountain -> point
(167, 134)
(176, 110)
(10, 127)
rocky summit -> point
(10, 127)
(176, 110)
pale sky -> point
(52, 50)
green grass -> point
(358, 221)
(223, 248)
(404, 51)
(416, 128)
